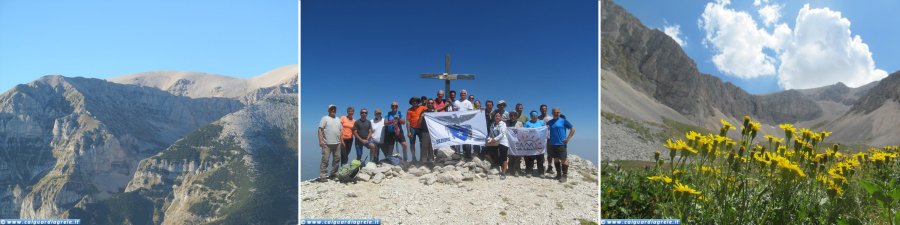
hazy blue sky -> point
(369, 53)
(111, 38)
(820, 51)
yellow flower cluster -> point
(664, 179)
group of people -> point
(337, 134)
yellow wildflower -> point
(788, 128)
(726, 125)
(664, 179)
(681, 188)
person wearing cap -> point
(330, 141)
(347, 122)
(515, 161)
(440, 104)
(413, 129)
(530, 160)
(362, 132)
(377, 136)
(501, 107)
(394, 129)
(498, 145)
(558, 141)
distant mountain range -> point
(151, 148)
(647, 77)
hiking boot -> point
(562, 179)
(503, 176)
(549, 169)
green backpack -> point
(348, 171)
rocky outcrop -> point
(114, 153)
(240, 165)
(888, 89)
(67, 139)
(654, 64)
(456, 192)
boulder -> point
(493, 172)
(476, 161)
(428, 179)
(449, 168)
(419, 171)
(443, 153)
(450, 177)
(369, 169)
(363, 177)
(468, 176)
(485, 165)
(378, 177)
(383, 168)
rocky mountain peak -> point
(888, 89)
(656, 65)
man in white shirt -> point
(463, 104)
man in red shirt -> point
(440, 104)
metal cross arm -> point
(447, 76)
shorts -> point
(415, 133)
(558, 151)
(391, 137)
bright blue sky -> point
(111, 38)
(869, 20)
(369, 53)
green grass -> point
(678, 129)
(124, 208)
(719, 184)
(643, 132)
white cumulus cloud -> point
(737, 41)
(818, 51)
(770, 14)
(674, 31)
(823, 52)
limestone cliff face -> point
(243, 164)
(654, 64)
(888, 89)
(63, 139)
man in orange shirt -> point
(413, 129)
